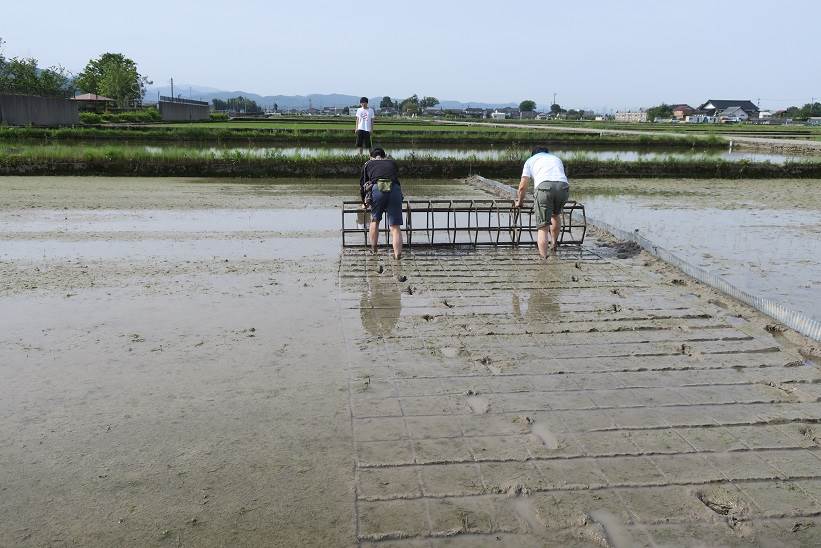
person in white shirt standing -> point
(550, 192)
(364, 124)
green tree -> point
(802, 113)
(527, 105)
(410, 105)
(428, 102)
(660, 111)
(113, 75)
(386, 102)
(555, 108)
(22, 75)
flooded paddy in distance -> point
(481, 152)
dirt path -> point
(215, 395)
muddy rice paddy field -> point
(198, 363)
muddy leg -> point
(396, 237)
(542, 241)
(374, 235)
(555, 225)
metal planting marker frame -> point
(464, 222)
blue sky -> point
(593, 54)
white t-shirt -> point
(364, 119)
(543, 167)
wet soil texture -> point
(240, 381)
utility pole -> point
(554, 98)
(172, 89)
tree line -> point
(111, 75)
(237, 104)
(809, 110)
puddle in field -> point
(154, 249)
(160, 220)
(775, 253)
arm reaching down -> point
(523, 184)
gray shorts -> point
(549, 200)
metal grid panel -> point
(464, 222)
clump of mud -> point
(622, 249)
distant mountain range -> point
(285, 102)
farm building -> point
(699, 118)
(715, 107)
(91, 102)
(496, 115)
(733, 114)
(680, 112)
(631, 116)
(475, 112)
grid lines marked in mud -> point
(495, 396)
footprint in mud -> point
(545, 436)
(727, 505)
(527, 513)
(478, 405)
(451, 352)
(606, 529)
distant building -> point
(496, 115)
(713, 107)
(475, 112)
(91, 102)
(680, 112)
(733, 114)
(631, 117)
(814, 121)
(698, 118)
(511, 112)
(527, 115)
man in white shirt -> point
(550, 192)
(364, 124)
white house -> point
(631, 116)
(699, 119)
(733, 114)
(498, 115)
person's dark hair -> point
(539, 150)
(377, 152)
(363, 99)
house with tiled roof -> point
(682, 111)
(733, 114)
(714, 107)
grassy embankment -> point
(174, 161)
(308, 133)
(795, 131)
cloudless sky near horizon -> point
(592, 53)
